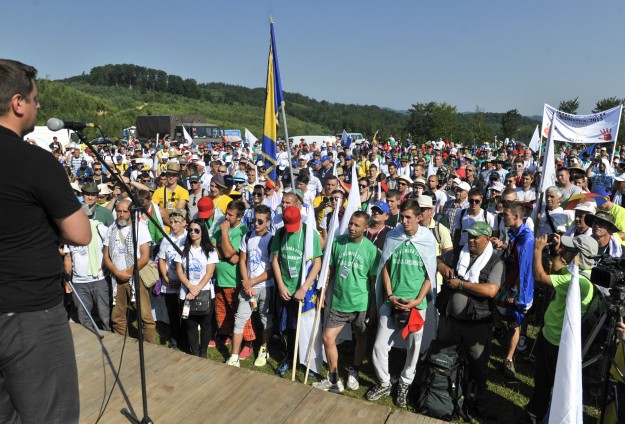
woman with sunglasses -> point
(195, 270)
(365, 193)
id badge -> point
(292, 271)
(170, 205)
(121, 250)
(344, 272)
(195, 276)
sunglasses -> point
(475, 201)
(97, 169)
(363, 186)
(194, 231)
(257, 194)
(402, 184)
(259, 221)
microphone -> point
(56, 124)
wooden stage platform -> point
(187, 389)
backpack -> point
(441, 382)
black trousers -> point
(544, 376)
(38, 375)
(172, 303)
(204, 323)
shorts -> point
(356, 319)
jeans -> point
(38, 375)
(94, 292)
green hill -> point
(114, 95)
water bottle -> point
(254, 303)
(186, 308)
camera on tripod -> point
(609, 272)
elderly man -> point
(548, 341)
(472, 279)
(553, 218)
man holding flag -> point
(288, 247)
(353, 266)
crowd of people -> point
(448, 242)
(434, 219)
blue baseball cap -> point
(326, 157)
(348, 157)
(316, 162)
(382, 206)
(602, 191)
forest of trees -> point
(114, 95)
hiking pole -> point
(295, 348)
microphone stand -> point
(135, 208)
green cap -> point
(480, 229)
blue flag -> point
(346, 140)
(273, 101)
(590, 150)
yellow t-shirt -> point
(168, 200)
(222, 202)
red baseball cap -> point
(292, 219)
(205, 207)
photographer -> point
(465, 303)
(548, 341)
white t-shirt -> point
(468, 221)
(525, 196)
(197, 269)
(259, 256)
(168, 254)
(441, 199)
(80, 259)
(120, 259)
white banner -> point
(599, 127)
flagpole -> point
(288, 147)
(616, 137)
(296, 347)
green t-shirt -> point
(554, 316)
(290, 248)
(228, 275)
(408, 273)
(352, 293)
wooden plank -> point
(324, 407)
(404, 417)
(190, 390)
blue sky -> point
(496, 55)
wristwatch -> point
(460, 284)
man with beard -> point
(118, 259)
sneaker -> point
(522, 345)
(283, 368)
(327, 386)
(233, 362)
(508, 369)
(352, 380)
(261, 359)
(245, 352)
(402, 395)
(377, 391)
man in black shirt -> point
(38, 376)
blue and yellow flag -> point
(273, 101)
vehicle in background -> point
(319, 140)
(236, 133)
(148, 126)
(43, 137)
(357, 138)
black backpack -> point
(441, 382)
(595, 320)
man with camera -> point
(565, 250)
(472, 279)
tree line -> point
(113, 95)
